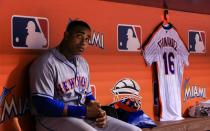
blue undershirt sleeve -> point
(90, 97)
(54, 108)
(76, 111)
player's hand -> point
(101, 120)
(93, 109)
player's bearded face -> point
(79, 41)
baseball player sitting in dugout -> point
(60, 88)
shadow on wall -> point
(18, 117)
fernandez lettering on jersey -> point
(30, 32)
(167, 42)
(70, 84)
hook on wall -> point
(165, 14)
(165, 11)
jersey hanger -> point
(165, 18)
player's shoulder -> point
(43, 59)
(81, 58)
(82, 61)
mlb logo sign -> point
(129, 37)
(197, 41)
(30, 32)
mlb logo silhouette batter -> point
(30, 32)
(197, 41)
(129, 37)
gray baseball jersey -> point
(56, 77)
(168, 50)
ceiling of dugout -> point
(193, 6)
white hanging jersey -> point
(168, 50)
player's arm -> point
(55, 108)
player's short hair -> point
(73, 24)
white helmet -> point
(126, 86)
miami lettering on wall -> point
(193, 91)
(97, 39)
(11, 105)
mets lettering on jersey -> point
(167, 49)
(129, 37)
(30, 32)
(70, 84)
(197, 41)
